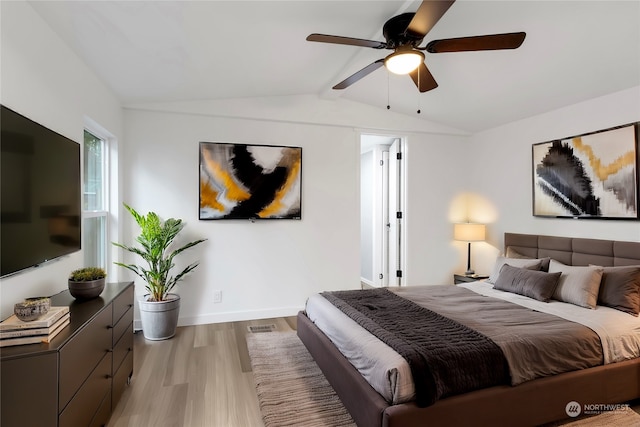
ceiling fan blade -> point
(429, 12)
(423, 78)
(324, 38)
(489, 42)
(360, 74)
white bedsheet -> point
(389, 373)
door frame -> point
(380, 251)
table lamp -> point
(469, 232)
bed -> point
(532, 401)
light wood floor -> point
(200, 377)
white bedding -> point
(389, 373)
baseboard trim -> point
(366, 283)
(233, 316)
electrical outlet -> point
(217, 297)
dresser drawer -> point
(122, 347)
(104, 413)
(29, 390)
(84, 405)
(82, 353)
(123, 325)
(120, 378)
(122, 303)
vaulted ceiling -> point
(159, 51)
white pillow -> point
(530, 264)
(577, 285)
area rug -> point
(625, 417)
(292, 391)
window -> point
(95, 203)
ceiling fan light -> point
(404, 61)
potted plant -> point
(87, 282)
(159, 308)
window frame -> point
(106, 138)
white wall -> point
(436, 179)
(43, 80)
(268, 268)
(500, 180)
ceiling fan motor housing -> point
(396, 34)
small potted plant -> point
(87, 282)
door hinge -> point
(398, 273)
(399, 156)
(398, 215)
(381, 162)
(380, 276)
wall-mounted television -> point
(40, 204)
(242, 181)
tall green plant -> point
(156, 237)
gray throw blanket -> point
(446, 358)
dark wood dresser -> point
(76, 379)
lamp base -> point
(469, 272)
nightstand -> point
(461, 278)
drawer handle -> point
(130, 305)
(109, 350)
(108, 377)
(109, 327)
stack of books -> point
(14, 331)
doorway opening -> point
(381, 210)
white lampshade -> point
(469, 232)
(403, 61)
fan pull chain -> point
(388, 104)
(419, 90)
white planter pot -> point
(159, 318)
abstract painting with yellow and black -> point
(240, 181)
(591, 175)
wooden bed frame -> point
(532, 403)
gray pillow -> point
(512, 253)
(531, 264)
(620, 289)
(535, 284)
(577, 285)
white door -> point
(395, 214)
(383, 226)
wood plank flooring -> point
(200, 377)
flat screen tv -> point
(40, 204)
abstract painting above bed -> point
(594, 175)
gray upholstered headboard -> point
(574, 250)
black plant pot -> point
(86, 290)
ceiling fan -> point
(405, 32)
